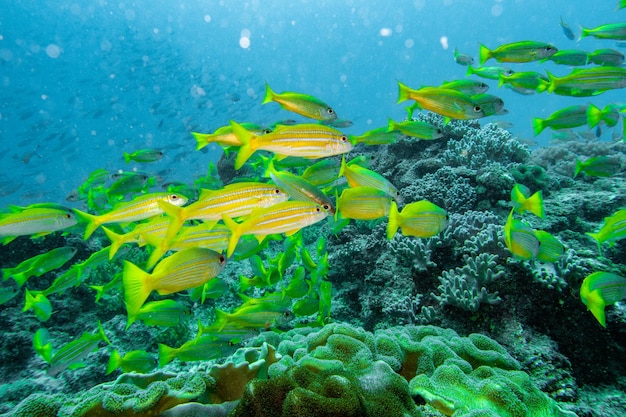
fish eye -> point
(549, 48)
(344, 138)
(68, 216)
(439, 131)
(276, 190)
(477, 109)
(330, 111)
(326, 207)
(174, 197)
(222, 259)
(507, 72)
(318, 209)
(267, 131)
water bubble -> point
(53, 51)
(385, 32)
(207, 18)
(409, 43)
(496, 10)
(444, 42)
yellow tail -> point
(136, 288)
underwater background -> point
(336, 319)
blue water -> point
(82, 82)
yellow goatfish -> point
(183, 270)
(140, 208)
(311, 141)
(287, 217)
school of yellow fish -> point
(237, 219)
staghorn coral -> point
(465, 287)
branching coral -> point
(466, 287)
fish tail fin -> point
(202, 139)
(93, 222)
(115, 361)
(178, 215)
(249, 144)
(116, 239)
(470, 71)
(269, 94)
(534, 204)
(136, 287)
(538, 125)
(484, 54)
(127, 157)
(166, 354)
(594, 115)
(391, 125)
(21, 277)
(343, 168)
(235, 234)
(102, 335)
(579, 167)
(553, 81)
(596, 237)
(501, 80)
(597, 309)
(244, 283)
(404, 92)
(584, 32)
(160, 247)
(221, 319)
(393, 224)
(99, 289)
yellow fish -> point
(444, 101)
(359, 176)
(302, 104)
(421, 219)
(520, 238)
(234, 200)
(287, 217)
(224, 136)
(36, 221)
(522, 202)
(140, 208)
(363, 203)
(602, 289)
(181, 271)
(311, 141)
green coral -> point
(338, 370)
(466, 287)
(38, 405)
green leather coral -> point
(489, 390)
(336, 375)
